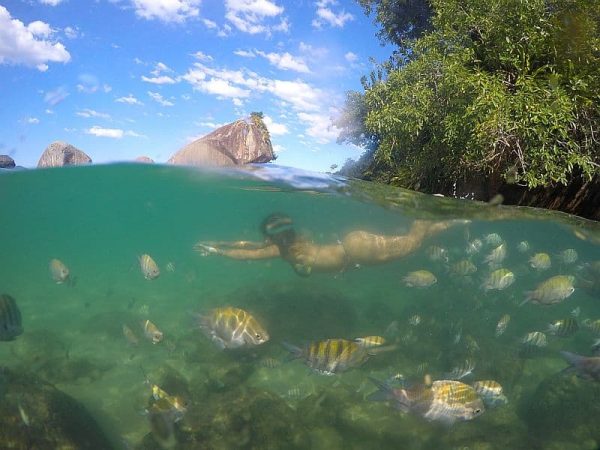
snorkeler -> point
(355, 248)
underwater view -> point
(156, 307)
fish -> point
(463, 268)
(170, 266)
(331, 356)
(149, 267)
(491, 393)
(437, 253)
(496, 256)
(586, 367)
(575, 313)
(551, 291)
(592, 325)
(493, 239)
(523, 247)
(535, 339)
(414, 320)
(596, 347)
(24, 416)
(270, 363)
(229, 327)
(171, 401)
(419, 278)
(445, 401)
(59, 271)
(130, 336)
(502, 325)
(471, 344)
(498, 280)
(563, 328)
(474, 247)
(152, 332)
(370, 341)
(462, 370)
(568, 256)
(540, 261)
(11, 324)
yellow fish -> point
(152, 332)
(502, 324)
(58, 271)
(149, 267)
(231, 327)
(370, 341)
(491, 392)
(540, 261)
(499, 279)
(419, 278)
(553, 290)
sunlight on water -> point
(99, 220)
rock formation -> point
(62, 154)
(144, 159)
(6, 162)
(241, 142)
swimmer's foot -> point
(205, 249)
(430, 228)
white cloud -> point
(49, 111)
(163, 79)
(249, 16)
(320, 127)
(313, 52)
(209, 24)
(159, 99)
(106, 88)
(71, 32)
(114, 133)
(276, 129)
(51, 2)
(351, 57)
(212, 125)
(88, 83)
(130, 100)
(285, 61)
(244, 53)
(325, 15)
(161, 68)
(302, 96)
(177, 11)
(201, 56)
(32, 120)
(278, 148)
(24, 45)
(91, 113)
(56, 96)
(223, 88)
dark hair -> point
(279, 229)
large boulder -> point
(241, 142)
(62, 154)
(6, 162)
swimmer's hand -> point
(205, 249)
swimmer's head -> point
(279, 229)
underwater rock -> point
(241, 142)
(565, 408)
(6, 162)
(36, 415)
(60, 154)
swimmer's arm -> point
(238, 249)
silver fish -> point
(461, 370)
(149, 267)
(59, 271)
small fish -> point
(437, 253)
(419, 278)
(24, 415)
(493, 239)
(230, 327)
(370, 341)
(568, 256)
(174, 402)
(474, 247)
(499, 280)
(535, 339)
(422, 367)
(414, 320)
(575, 313)
(270, 363)
(463, 268)
(149, 267)
(523, 247)
(496, 256)
(446, 401)
(58, 271)
(592, 325)
(553, 290)
(10, 318)
(586, 367)
(472, 345)
(540, 261)
(130, 336)
(170, 267)
(491, 393)
(462, 370)
(563, 328)
(152, 332)
(502, 325)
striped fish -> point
(499, 280)
(463, 268)
(10, 318)
(58, 271)
(592, 325)
(333, 355)
(502, 324)
(491, 392)
(151, 332)
(496, 256)
(462, 370)
(563, 328)
(149, 267)
(230, 327)
(370, 341)
(540, 261)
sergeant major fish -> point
(502, 325)
(10, 318)
(149, 267)
(499, 280)
(496, 256)
(540, 261)
(491, 393)
(419, 278)
(370, 341)
(58, 271)
(446, 401)
(461, 370)
(535, 339)
(152, 332)
(230, 327)
(563, 328)
(568, 256)
(553, 290)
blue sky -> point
(124, 78)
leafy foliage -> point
(502, 88)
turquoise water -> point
(98, 220)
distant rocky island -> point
(241, 142)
